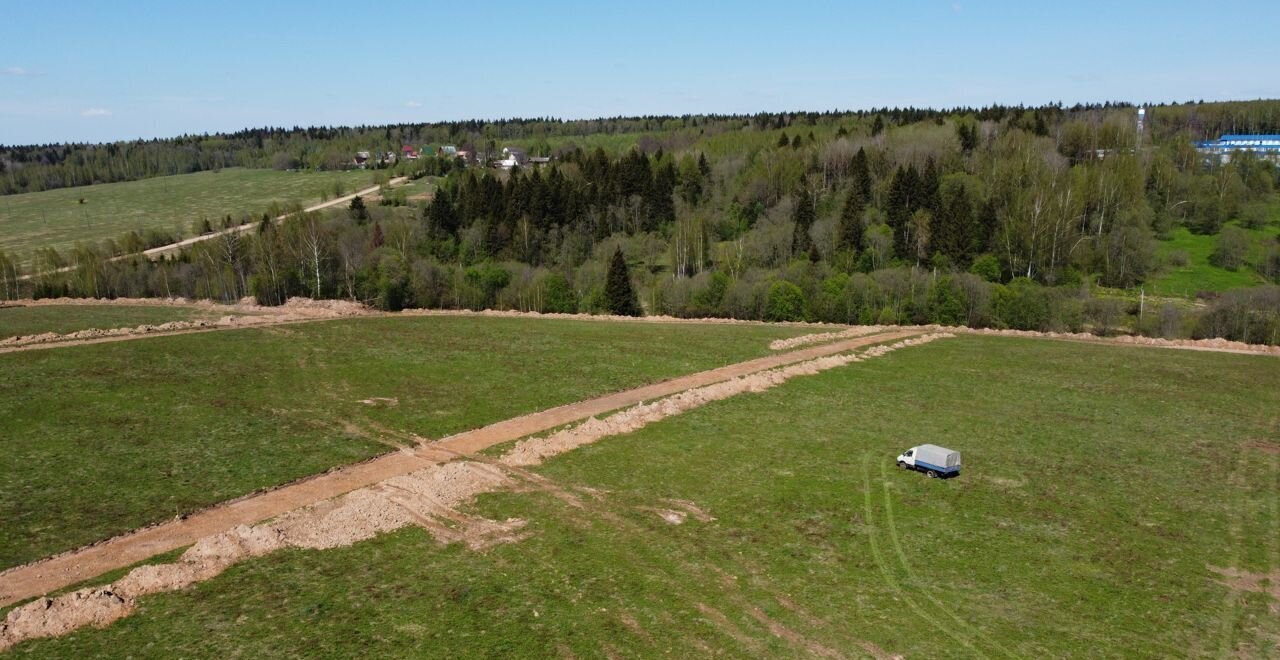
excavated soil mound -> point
(427, 498)
(1224, 345)
(804, 340)
(296, 309)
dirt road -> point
(32, 580)
(173, 248)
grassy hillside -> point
(101, 439)
(57, 219)
(36, 319)
(1198, 273)
(1100, 486)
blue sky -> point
(91, 71)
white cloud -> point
(412, 104)
(95, 112)
(14, 71)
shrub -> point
(785, 302)
(1105, 314)
(557, 296)
(987, 267)
(947, 304)
(1231, 248)
(1022, 305)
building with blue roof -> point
(1264, 146)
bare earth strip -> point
(63, 570)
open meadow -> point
(1114, 502)
(169, 204)
(97, 440)
(19, 320)
(1198, 273)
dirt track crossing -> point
(32, 580)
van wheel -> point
(932, 474)
(902, 465)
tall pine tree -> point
(618, 294)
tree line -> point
(1006, 223)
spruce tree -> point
(877, 126)
(357, 210)
(861, 174)
(618, 294)
(784, 141)
(850, 237)
(803, 215)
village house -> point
(513, 157)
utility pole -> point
(1142, 306)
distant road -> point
(173, 248)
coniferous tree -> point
(357, 211)
(441, 218)
(877, 126)
(954, 228)
(803, 216)
(850, 228)
(860, 171)
(784, 141)
(968, 135)
(618, 293)
(899, 205)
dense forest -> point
(1034, 218)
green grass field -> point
(1100, 485)
(35, 319)
(57, 219)
(97, 440)
(1200, 275)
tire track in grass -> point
(1235, 533)
(886, 573)
(914, 579)
(586, 509)
(649, 555)
(1273, 560)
